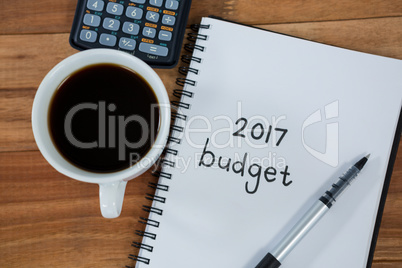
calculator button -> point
(115, 9)
(157, 3)
(127, 43)
(107, 40)
(96, 5)
(152, 16)
(131, 28)
(88, 36)
(172, 4)
(134, 12)
(168, 20)
(138, 1)
(149, 32)
(153, 49)
(92, 20)
(111, 24)
(165, 35)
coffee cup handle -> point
(111, 198)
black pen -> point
(313, 215)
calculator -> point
(151, 30)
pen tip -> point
(360, 164)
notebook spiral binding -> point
(180, 94)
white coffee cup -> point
(111, 185)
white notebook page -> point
(329, 106)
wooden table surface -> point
(49, 220)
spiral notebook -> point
(265, 124)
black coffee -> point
(103, 118)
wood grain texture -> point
(46, 16)
(49, 220)
(289, 11)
